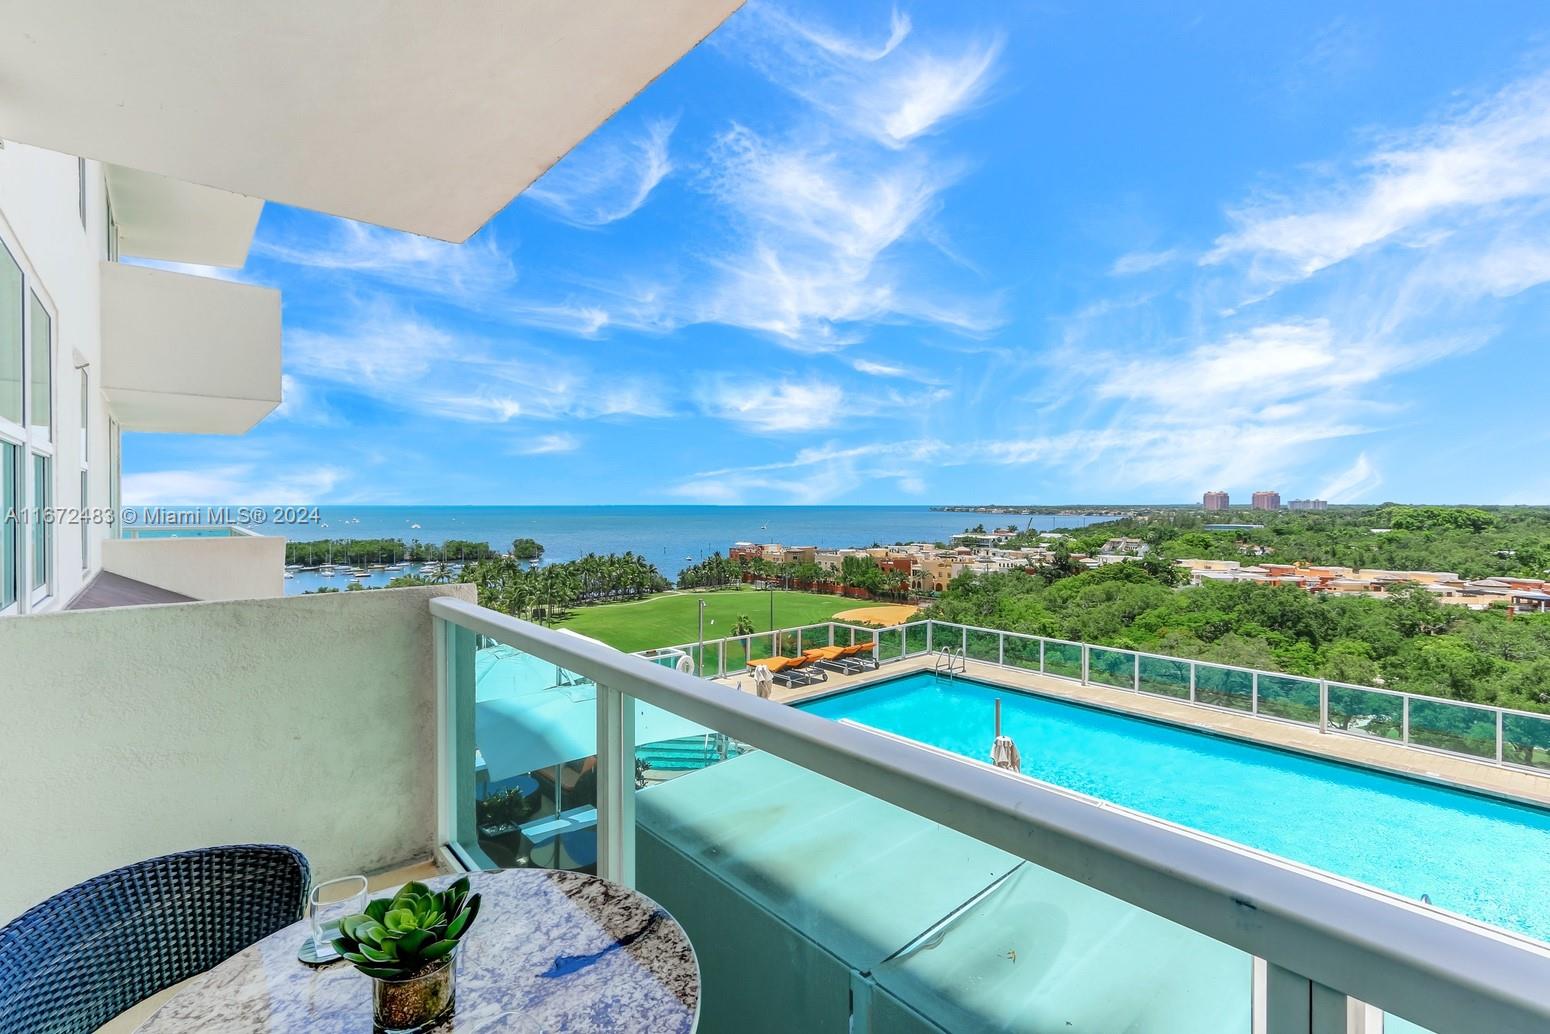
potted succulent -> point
(408, 945)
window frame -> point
(29, 445)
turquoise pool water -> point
(1476, 855)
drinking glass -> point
(327, 903)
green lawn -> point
(673, 620)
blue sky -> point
(958, 253)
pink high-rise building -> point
(1216, 501)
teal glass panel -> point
(1165, 676)
(1115, 668)
(1294, 699)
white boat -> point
(327, 572)
(290, 574)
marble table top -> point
(549, 951)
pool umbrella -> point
(1003, 753)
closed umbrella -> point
(1003, 752)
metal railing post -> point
(929, 626)
(1404, 725)
(963, 645)
(831, 633)
(1192, 682)
(1085, 661)
(1296, 1005)
(1323, 705)
(1500, 736)
(721, 657)
(1253, 692)
(615, 786)
(1135, 681)
(1041, 655)
(1001, 648)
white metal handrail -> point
(1315, 930)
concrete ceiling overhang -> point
(421, 115)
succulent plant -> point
(397, 937)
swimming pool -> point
(1476, 855)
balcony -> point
(203, 562)
(174, 221)
(832, 877)
(188, 354)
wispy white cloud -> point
(1354, 484)
(822, 215)
(781, 407)
(1398, 259)
(819, 231)
(1412, 189)
(549, 444)
(1144, 261)
(833, 229)
(817, 474)
(609, 177)
(892, 88)
(230, 484)
(477, 268)
(405, 361)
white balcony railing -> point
(1321, 938)
(1480, 732)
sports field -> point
(672, 620)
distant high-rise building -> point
(1267, 500)
(1216, 500)
(1307, 504)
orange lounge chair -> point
(859, 657)
(792, 671)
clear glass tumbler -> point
(327, 903)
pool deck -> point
(1374, 753)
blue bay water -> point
(1475, 855)
(671, 537)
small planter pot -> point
(415, 1003)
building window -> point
(11, 339)
(113, 465)
(10, 539)
(40, 423)
(27, 489)
(42, 530)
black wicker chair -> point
(88, 953)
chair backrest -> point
(88, 953)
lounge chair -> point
(831, 658)
(791, 671)
(859, 657)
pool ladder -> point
(950, 663)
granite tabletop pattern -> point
(550, 951)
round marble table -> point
(550, 951)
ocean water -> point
(672, 537)
(1472, 854)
